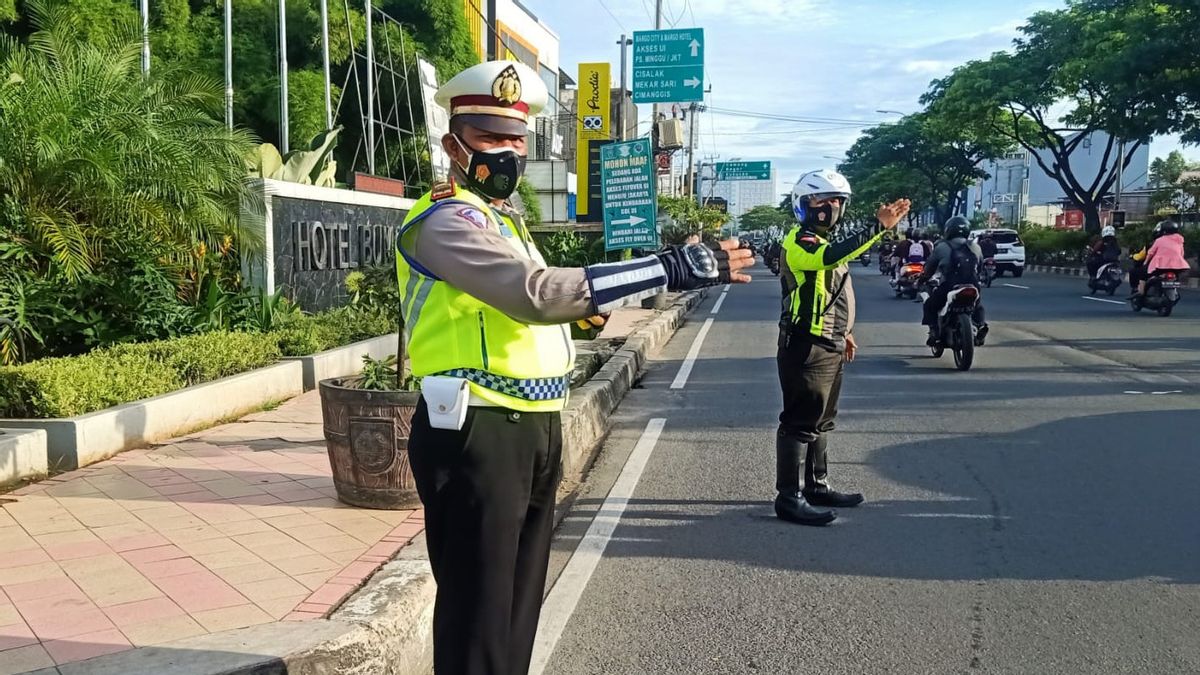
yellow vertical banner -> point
(593, 123)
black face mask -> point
(813, 217)
(493, 173)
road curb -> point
(386, 627)
(1193, 282)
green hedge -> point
(309, 334)
(77, 385)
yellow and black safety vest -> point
(821, 278)
(508, 363)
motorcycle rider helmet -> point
(1108, 231)
(819, 184)
(1166, 227)
(957, 227)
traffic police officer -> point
(485, 319)
(816, 340)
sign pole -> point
(283, 79)
(325, 63)
(229, 64)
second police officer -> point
(486, 321)
(816, 340)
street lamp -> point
(889, 112)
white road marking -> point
(1111, 302)
(685, 370)
(726, 289)
(965, 516)
(720, 301)
(569, 587)
(1160, 393)
(1024, 288)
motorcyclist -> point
(987, 246)
(1165, 254)
(950, 260)
(1105, 250)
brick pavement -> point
(226, 528)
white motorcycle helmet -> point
(820, 183)
(1108, 231)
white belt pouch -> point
(446, 398)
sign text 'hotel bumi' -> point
(339, 246)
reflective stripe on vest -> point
(507, 363)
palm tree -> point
(92, 152)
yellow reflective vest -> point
(508, 363)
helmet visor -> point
(820, 198)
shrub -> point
(310, 334)
(207, 357)
(76, 385)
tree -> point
(689, 218)
(1086, 56)
(1165, 171)
(922, 157)
(764, 217)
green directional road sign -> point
(743, 171)
(627, 183)
(668, 65)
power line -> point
(842, 127)
(614, 16)
(791, 118)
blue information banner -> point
(627, 180)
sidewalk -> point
(231, 527)
(226, 528)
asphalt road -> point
(1033, 515)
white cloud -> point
(927, 67)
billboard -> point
(593, 123)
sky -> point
(804, 58)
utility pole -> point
(229, 64)
(657, 113)
(624, 43)
(370, 94)
(283, 78)
(325, 63)
(145, 10)
(1120, 175)
(691, 185)
(492, 39)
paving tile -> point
(386, 549)
(42, 588)
(272, 589)
(248, 573)
(407, 530)
(50, 525)
(293, 521)
(307, 533)
(87, 646)
(290, 494)
(281, 607)
(313, 580)
(264, 541)
(183, 487)
(337, 543)
(25, 659)
(142, 611)
(108, 518)
(331, 593)
(215, 545)
(71, 617)
(15, 538)
(137, 542)
(6, 520)
(232, 617)
(392, 517)
(110, 580)
(222, 559)
(154, 554)
(27, 573)
(74, 488)
(232, 487)
(220, 513)
(198, 496)
(325, 503)
(200, 591)
(243, 527)
(358, 571)
(162, 630)
(264, 478)
(16, 634)
(305, 564)
(11, 559)
(194, 533)
(161, 569)
(346, 557)
(314, 608)
(9, 614)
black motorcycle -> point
(988, 274)
(1162, 294)
(906, 285)
(1108, 278)
(955, 330)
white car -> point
(1010, 250)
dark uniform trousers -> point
(811, 379)
(489, 496)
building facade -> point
(1018, 189)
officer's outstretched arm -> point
(478, 260)
(819, 255)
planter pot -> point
(366, 434)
